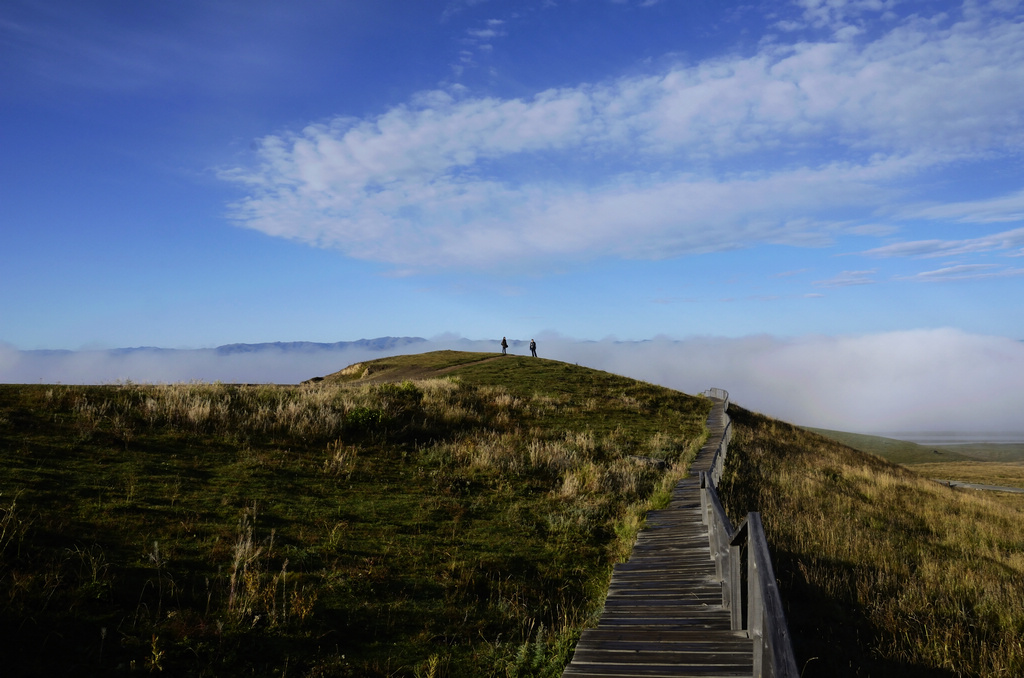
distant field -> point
(998, 464)
(904, 452)
(1005, 474)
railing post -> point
(717, 467)
(773, 647)
(720, 533)
(755, 603)
(712, 521)
(737, 553)
(704, 509)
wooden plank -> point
(670, 654)
(683, 594)
(660, 597)
(629, 635)
(679, 623)
(682, 612)
(738, 662)
(698, 570)
(655, 671)
(663, 587)
(678, 533)
(640, 577)
(695, 553)
(666, 563)
(708, 645)
(653, 609)
(677, 536)
(641, 603)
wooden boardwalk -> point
(664, 615)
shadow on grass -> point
(833, 638)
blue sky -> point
(197, 173)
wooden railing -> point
(719, 394)
(744, 566)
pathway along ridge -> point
(663, 616)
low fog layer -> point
(925, 380)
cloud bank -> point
(920, 380)
(779, 146)
(923, 380)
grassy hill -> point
(896, 451)
(452, 514)
(364, 524)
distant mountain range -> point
(378, 344)
(281, 362)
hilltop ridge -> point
(403, 367)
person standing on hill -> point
(504, 345)
(533, 348)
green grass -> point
(462, 526)
(896, 451)
(882, 572)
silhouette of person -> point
(533, 348)
(504, 345)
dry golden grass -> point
(884, 572)
(1003, 474)
(460, 525)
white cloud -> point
(1006, 240)
(967, 272)
(837, 14)
(995, 210)
(483, 33)
(847, 278)
(454, 7)
(646, 166)
(920, 380)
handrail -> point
(718, 394)
(751, 592)
(773, 654)
(718, 459)
(720, 537)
